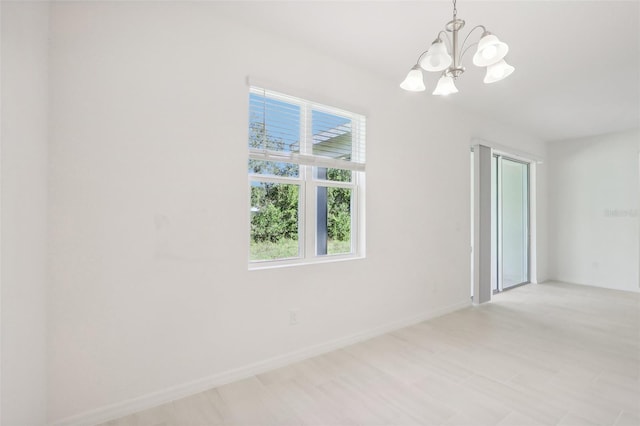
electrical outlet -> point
(293, 316)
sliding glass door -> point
(510, 207)
(513, 222)
(510, 217)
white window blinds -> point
(286, 128)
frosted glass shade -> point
(490, 51)
(445, 86)
(413, 82)
(437, 58)
(498, 71)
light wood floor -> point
(549, 354)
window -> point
(306, 181)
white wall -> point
(593, 204)
(149, 204)
(24, 211)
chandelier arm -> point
(465, 50)
(468, 34)
(420, 57)
(447, 37)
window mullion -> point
(275, 179)
(309, 212)
(302, 215)
(335, 184)
(306, 148)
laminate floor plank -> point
(310, 403)
(515, 418)
(249, 402)
(353, 407)
(395, 393)
(464, 400)
(197, 410)
(627, 419)
(575, 420)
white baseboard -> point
(124, 408)
(616, 288)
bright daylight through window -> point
(306, 180)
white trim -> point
(275, 179)
(308, 223)
(508, 151)
(258, 265)
(133, 405)
(1, 240)
(304, 159)
(499, 218)
(533, 223)
(596, 285)
(303, 92)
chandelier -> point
(490, 53)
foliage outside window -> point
(306, 180)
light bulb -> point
(498, 71)
(434, 61)
(413, 82)
(489, 52)
(445, 86)
(437, 58)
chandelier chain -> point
(455, 10)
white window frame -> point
(308, 184)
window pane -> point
(334, 220)
(515, 223)
(334, 175)
(331, 135)
(274, 221)
(273, 124)
(273, 168)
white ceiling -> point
(577, 62)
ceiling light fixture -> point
(490, 53)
